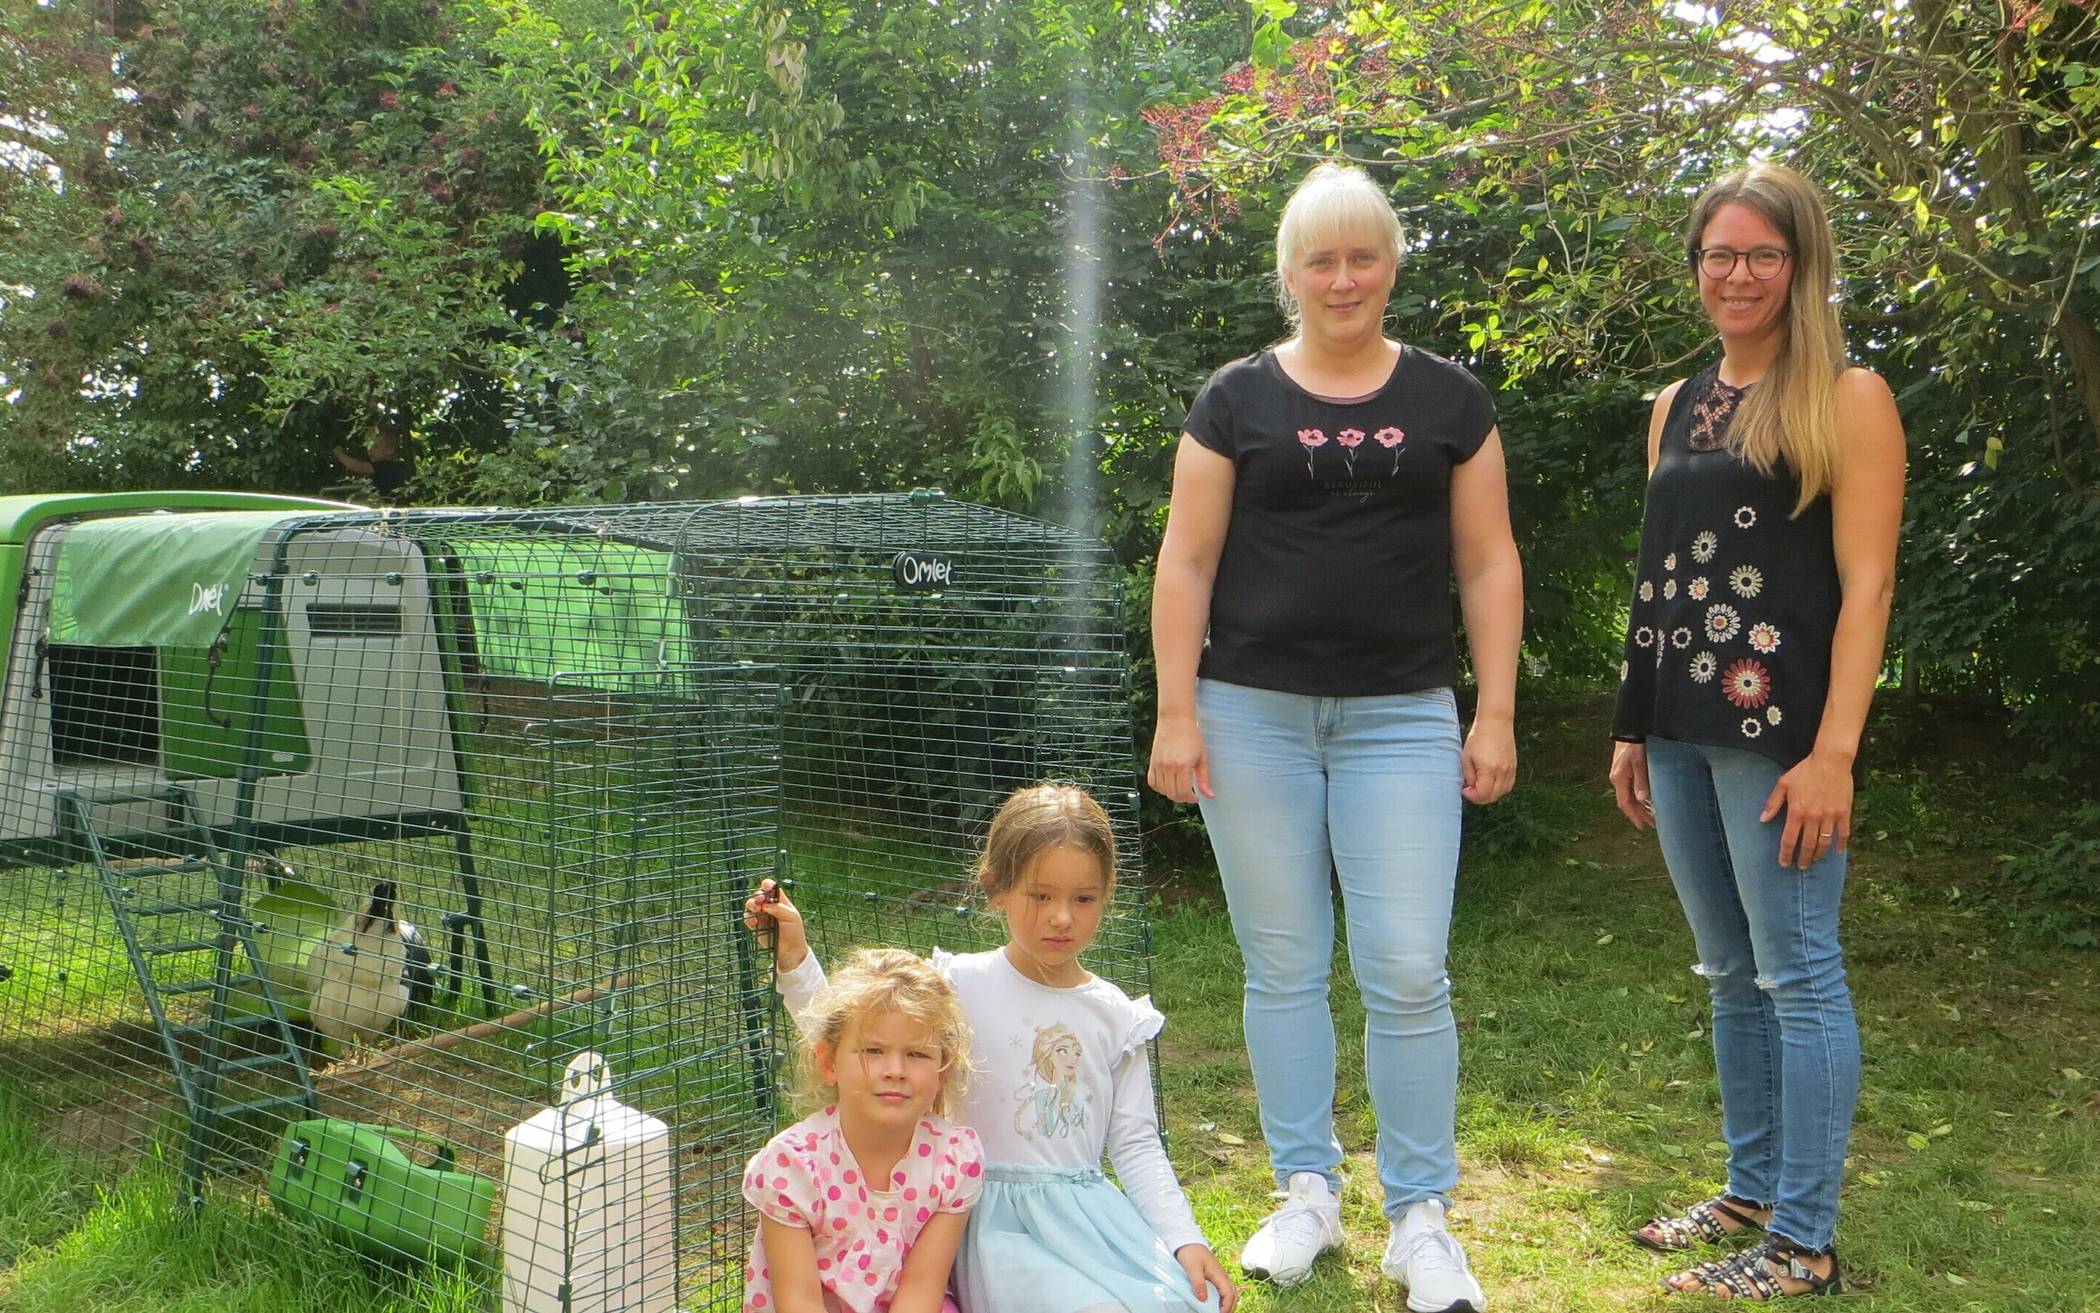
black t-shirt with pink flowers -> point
(1335, 577)
(1735, 604)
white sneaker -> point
(1428, 1263)
(1307, 1226)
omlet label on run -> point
(923, 572)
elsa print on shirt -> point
(1051, 1105)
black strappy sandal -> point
(1701, 1224)
(1751, 1275)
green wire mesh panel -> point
(934, 657)
(389, 864)
(938, 656)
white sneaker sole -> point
(1417, 1305)
(1461, 1306)
(1299, 1278)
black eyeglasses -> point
(1718, 262)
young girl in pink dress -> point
(861, 1205)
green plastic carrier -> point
(354, 1182)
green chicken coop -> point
(553, 748)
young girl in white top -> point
(861, 1204)
(1061, 1075)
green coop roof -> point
(155, 580)
(22, 516)
(543, 609)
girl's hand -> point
(778, 922)
(1817, 798)
(1488, 764)
(1180, 767)
(1629, 784)
(1205, 1275)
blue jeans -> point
(1785, 1041)
(1365, 788)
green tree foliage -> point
(836, 246)
(243, 232)
(1549, 149)
(628, 248)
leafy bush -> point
(2054, 888)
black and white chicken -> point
(372, 971)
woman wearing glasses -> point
(1760, 606)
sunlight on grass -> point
(40, 1195)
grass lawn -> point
(1587, 1102)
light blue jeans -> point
(1786, 1044)
(1365, 788)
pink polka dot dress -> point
(806, 1177)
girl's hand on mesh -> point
(778, 924)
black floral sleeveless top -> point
(1734, 603)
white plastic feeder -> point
(588, 1218)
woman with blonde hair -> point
(1327, 492)
(1760, 609)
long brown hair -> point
(1792, 413)
(1037, 819)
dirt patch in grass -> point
(110, 1127)
(462, 1097)
(100, 1091)
(65, 1050)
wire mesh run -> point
(389, 863)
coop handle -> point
(212, 658)
(442, 1155)
(557, 1167)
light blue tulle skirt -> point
(1047, 1241)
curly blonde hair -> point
(875, 981)
(1054, 814)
